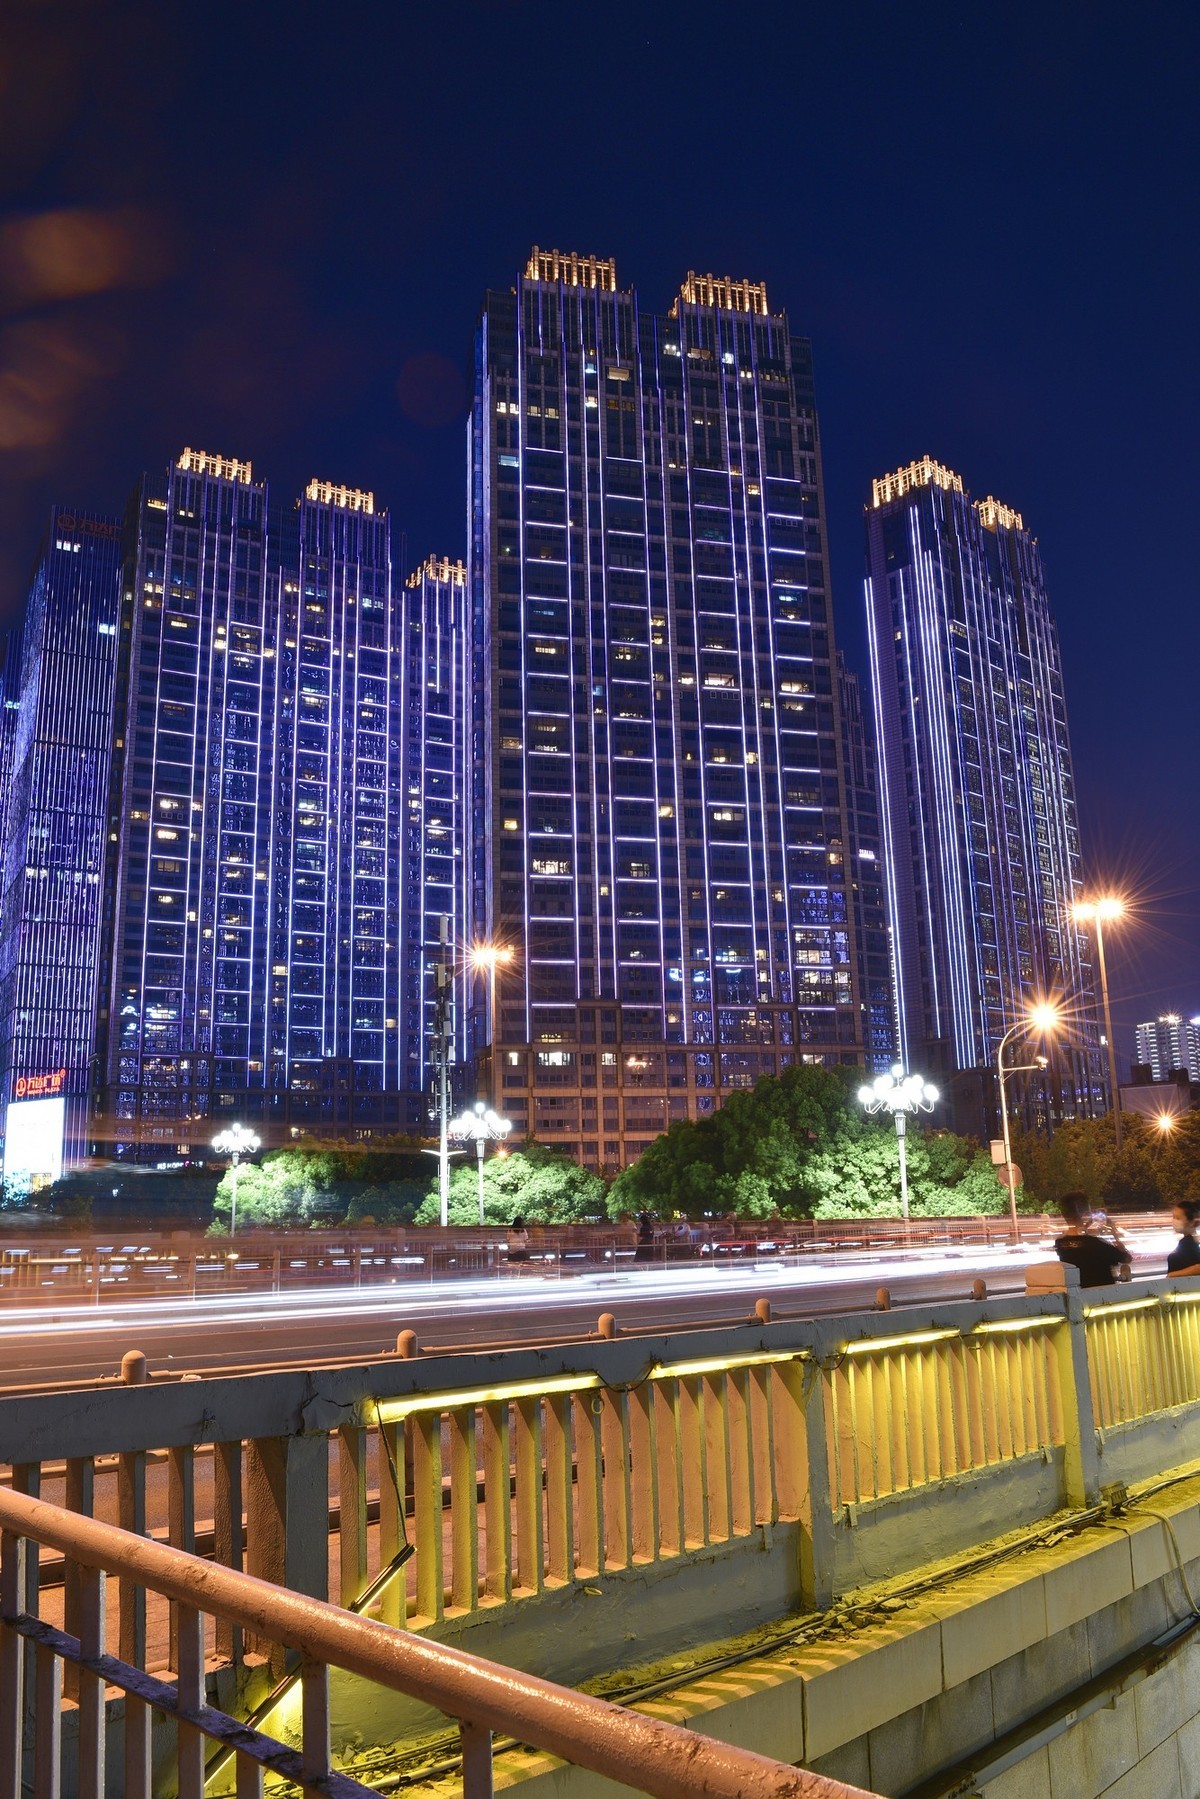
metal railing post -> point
(12, 1666)
(476, 1760)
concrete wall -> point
(1066, 1671)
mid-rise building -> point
(980, 834)
(56, 734)
(1169, 1043)
(659, 820)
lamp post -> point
(899, 1094)
(1105, 909)
(485, 1126)
(1042, 1019)
(489, 958)
(235, 1143)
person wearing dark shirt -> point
(1097, 1260)
(1185, 1257)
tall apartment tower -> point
(659, 820)
(1170, 1042)
(980, 836)
(865, 861)
(186, 1025)
(57, 739)
(435, 696)
(333, 1036)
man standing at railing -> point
(1101, 1263)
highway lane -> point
(58, 1345)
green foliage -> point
(1154, 1168)
(799, 1145)
(539, 1183)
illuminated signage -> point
(33, 1141)
(41, 1086)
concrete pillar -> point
(1081, 1468)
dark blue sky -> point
(265, 229)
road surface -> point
(53, 1346)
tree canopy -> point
(535, 1181)
(798, 1144)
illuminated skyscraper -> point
(980, 835)
(867, 895)
(186, 1035)
(334, 1005)
(58, 736)
(435, 696)
(660, 818)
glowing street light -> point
(485, 1126)
(1103, 910)
(1043, 1020)
(489, 959)
(899, 1094)
(235, 1143)
(1165, 1122)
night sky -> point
(265, 230)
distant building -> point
(659, 821)
(56, 741)
(867, 891)
(1170, 1042)
(980, 832)
(436, 704)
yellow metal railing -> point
(1143, 1356)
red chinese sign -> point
(41, 1086)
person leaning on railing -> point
(1101, 1261)
(1185, 1257)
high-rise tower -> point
(186, 1036)
(58, 739)
(981, 840)
(333, 1032)
(436, 702)
(660, 825)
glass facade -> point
(336, 820)
(980, 833)
(56, 737)
(660, 823)
(435, 695)
(867, 895)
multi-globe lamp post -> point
(235, 1143)
(1040, 1020)
(485, 1126)
(899, 1094)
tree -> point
(858, 1175)
(751, 1154)
(1154, 1167)
(288, 1188)
(536, 1182)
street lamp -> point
(1102, 911)
(489, 958)
(485, 1126)
(235, 1143)
(899, 1094)
(1043, 1019)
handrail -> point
(647, 1754)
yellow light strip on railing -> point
(868, 1345)
(995, 1326)
(1182, 1299)
(392, 1410)
(722, 1364)
(1130, 1305)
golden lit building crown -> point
(224, 468)
(572, 270)
(994, 515)
(439, 568)
(923, 473)
(350, 499)
(725, 292)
